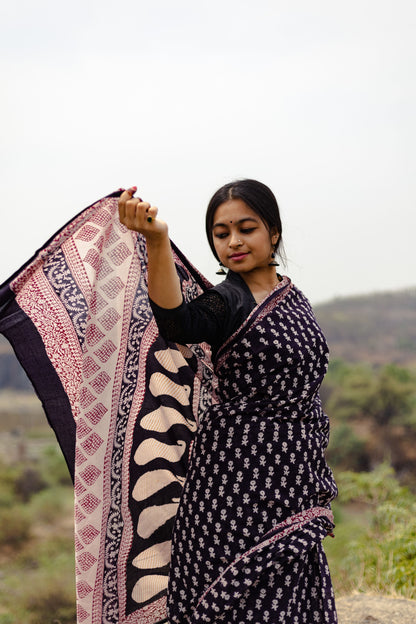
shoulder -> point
(236, 298)
(234, 290)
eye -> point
(221, 235)
(247, 230)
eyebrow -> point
(237, 222)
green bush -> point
(49, 599)
(46, 553)
(346, 449)
(28, 483)
(15, 526)
(54, 468)
(386, 395)
(36, 540)
(8, 476)
(49, 505)
(39, 587)
(382, 557)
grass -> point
(37, 585)
(352, 523)
(375, 545)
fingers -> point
(134, 213)
(127, 204)
(151, 213)
(124, 197)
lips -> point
(238, 256)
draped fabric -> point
(123, 404)
(247, 541)
(146, 426)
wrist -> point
(157, 240)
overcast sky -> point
(317, 99)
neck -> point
(261, 282)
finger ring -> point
(149, 219)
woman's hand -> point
(163, 282)
(140, 216)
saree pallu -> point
(123, 403)
(256, 502)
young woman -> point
(247, 542)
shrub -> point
(346, 449)
(28, 483)
(15, 526)
(385, 553)
(49, 505)
(55, 470)
(8, 476)
(49, 598)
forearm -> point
(163, 281)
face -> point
(241, 239)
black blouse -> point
(212, 317)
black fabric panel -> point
(25, 339)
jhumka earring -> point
(273, 261)
(221, 270)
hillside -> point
(377, 329)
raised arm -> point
(163, 281)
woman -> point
(256, 503)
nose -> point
(235, 240)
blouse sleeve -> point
(212, 317)
(202, 320)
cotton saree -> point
(138, 418)
(247, 541)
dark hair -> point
(256, 195)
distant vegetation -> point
(370, 396)
(370, 390)
(373, 415)
(377, 329)
(374, 549)
(37, 583)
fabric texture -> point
(247, 542)
(147, 425)
(121, 401)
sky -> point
(315, 99)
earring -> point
(221, 270)
(273, 261)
